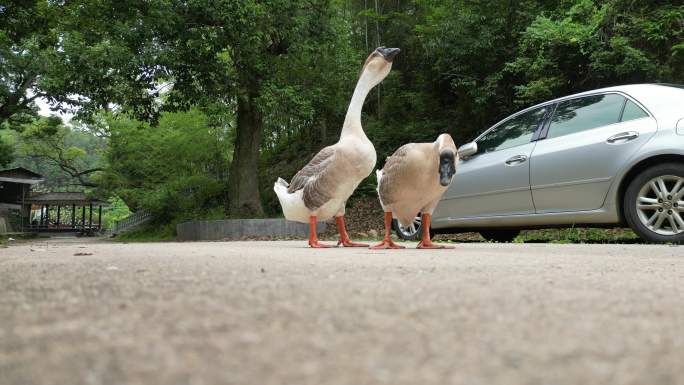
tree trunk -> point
(243, 182)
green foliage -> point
(82, 55)
(115, 210)
(69, 157)
(594, 44)
(176, 170)
(149, 233)
(264, 85)
(6, 152)
(26, 40)
(579, 235)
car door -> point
(496, 180)
(584, 144)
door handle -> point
(516, 160)
(623, 137)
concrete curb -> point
(240, 228)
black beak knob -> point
(388, 53)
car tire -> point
(643, 206)
(414, 233)
(499, 235)
(411, 233)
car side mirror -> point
(468, 149)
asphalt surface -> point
(280, 313)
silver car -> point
(602, 158)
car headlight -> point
(680, 127)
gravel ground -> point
(280, 313)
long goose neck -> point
(352, 122)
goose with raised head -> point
(320, 190)
(412, 181)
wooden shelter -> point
(15, 188)
(64, 212)
(16, 183)
(24, 210)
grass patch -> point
(149, 233)
(579, 235)
(570, 235)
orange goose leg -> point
(387, 242)
(313, 238)
(344, 237)
(425, 242)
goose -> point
(413, 180)
(320, 190)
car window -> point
(511, 133)
(585, 113)
(632, 111)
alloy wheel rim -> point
(660, 205)
(411, 229)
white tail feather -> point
(378, 176)
(291, 203)
(282, 182)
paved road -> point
(279, 313)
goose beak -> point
(388, 53)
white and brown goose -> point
(413, 180)
(320, 190)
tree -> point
(238, 50)
(93, 55)
(6, 153)
(26, 44)
(71, 156)
(596, 44)
(81, 56)
(469, 45)
(174, 169)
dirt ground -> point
(281, 313)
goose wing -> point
(316, 179)
(396, 172)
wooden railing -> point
(132, 220)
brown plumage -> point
(409, 183)
(316, 178)
(396, 165)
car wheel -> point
(499, 235)
(411, 232)
(654, 203)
